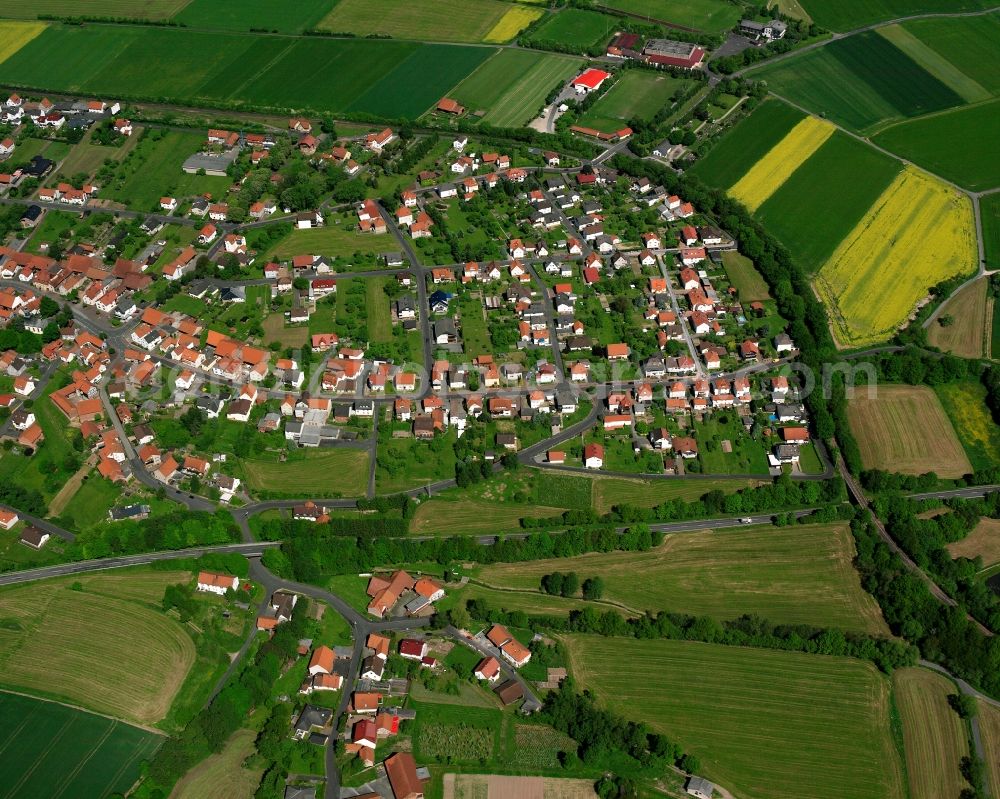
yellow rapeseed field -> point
(14, 35)
(918, 233)
(766, 176)
(512, 23)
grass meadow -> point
(905, 429)
(54, 750)
(971, 44)
(989, 725)
(611, 491)
(575, 26)
(765, 724)
(745, 277)
(930, 59)
(989, 212)
(331, 240)
(825, 198)
(982, 542)
(935, 739)
(968, 335)
(712, 16)
(222, 775)
(792, 575)
(325, 472)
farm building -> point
(590, 80)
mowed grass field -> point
(136, 9)
(861, 82)
(636, 95)
(969, 157)
(746, 143)
(420, 20)
(765, 724)
(919, 232)
(825, 198)
(970, 44)
(712, 16)
(452, 517)
(320, 472)
(576, 26)
(342, 240)
(610, 491)
(965, 404)
(50, 750)
(511, 87)
(767, 174)
(934, 737)
(983, 542)
(15, 35)
(242, 15)
(968, 335)
(792, 575)
(222, 775)
(905, 429)
(68, 644)
(845, 15)
(745, 277)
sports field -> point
(511, 87)
(242, 15)
(934, 737)
(983, 542)
(15, 35)
(971, 317)
(969, 159)
(905, 429)
(222, 775)
(965, 404)
(637, 95)
(767, 174)
(712, 16)
(576, 26)
(862, 82)
(824, 199)
(68, 644)
(420, 20)
(845, 15)
(320, 472)
(746, 143)
(765, 724)
(793, 575)
(745, 277)
(135, 9)
(52, 750)
(918, 233)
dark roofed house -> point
(313, 721)
(509, 691)
(129, 512)
(33, 537)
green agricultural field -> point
(746, 143)
(637, 95)
(846, 15)
(939, 66)
(611, 491)
(378, 314)
(712, 16)
(576, 27)
(959, 145)
(242, 15)
(419, 20)
(971, 44)
(792, 575)
(823, 200)
(55, 750)
(136, 9)
(323, 472)
(456, 733)
(332, 240)
(454, 517)
(511, 87)
(989, 209)
(965, 404)
(861, 82)
(765, 724)
(745, 278)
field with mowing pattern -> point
(242, 15)
(611, 491)
(53, 750)
(135, 9)
(68, 644)
(861, 82)
(712, 16)
(575, 26)
(918, 233)
(765, 724)
(15, 35)
(792, 575)
(845, 15)
(222, 775)
(511, 87)
(969, 332)
(970, 157)
(971, 44)
(811, 223)
(637, 95)
(905, 429)
(989, 727)
(989, 212)
(983, 542)
(419, 20)
(320, 472)
(746, 143)
(934, 737)
(771, 171)
(965, 404)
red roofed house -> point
(401, 769)
(412, 649)
(321, 661)
(488, 669)
(593, 456)
(217, 583)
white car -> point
(746, 520)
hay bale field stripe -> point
(15, 35)
(939, 66)
(918, 233)
(771, 171)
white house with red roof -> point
(590, 80)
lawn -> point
(333, 471)
(53, 750)
(965, 404)
(241, 15)
(919, 233)
(860, 82)
(983, 542)
(475, 331)
(90, 504)
(636, 95)
(511, 87)
(970, 157)
(745, 278)
(989, 212)
(712, 16)
(765, 724)
(747, 454)
(332, 240)
(905, 429)
(420, 20)
(811, 223)
(746, 143)
(136, 9)
(576, 27)
(845, 15)
(405, 463)
(791, 575)
(934, 737)
(68, 644)
(223, 775)
(611, 491)
(968, 335)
